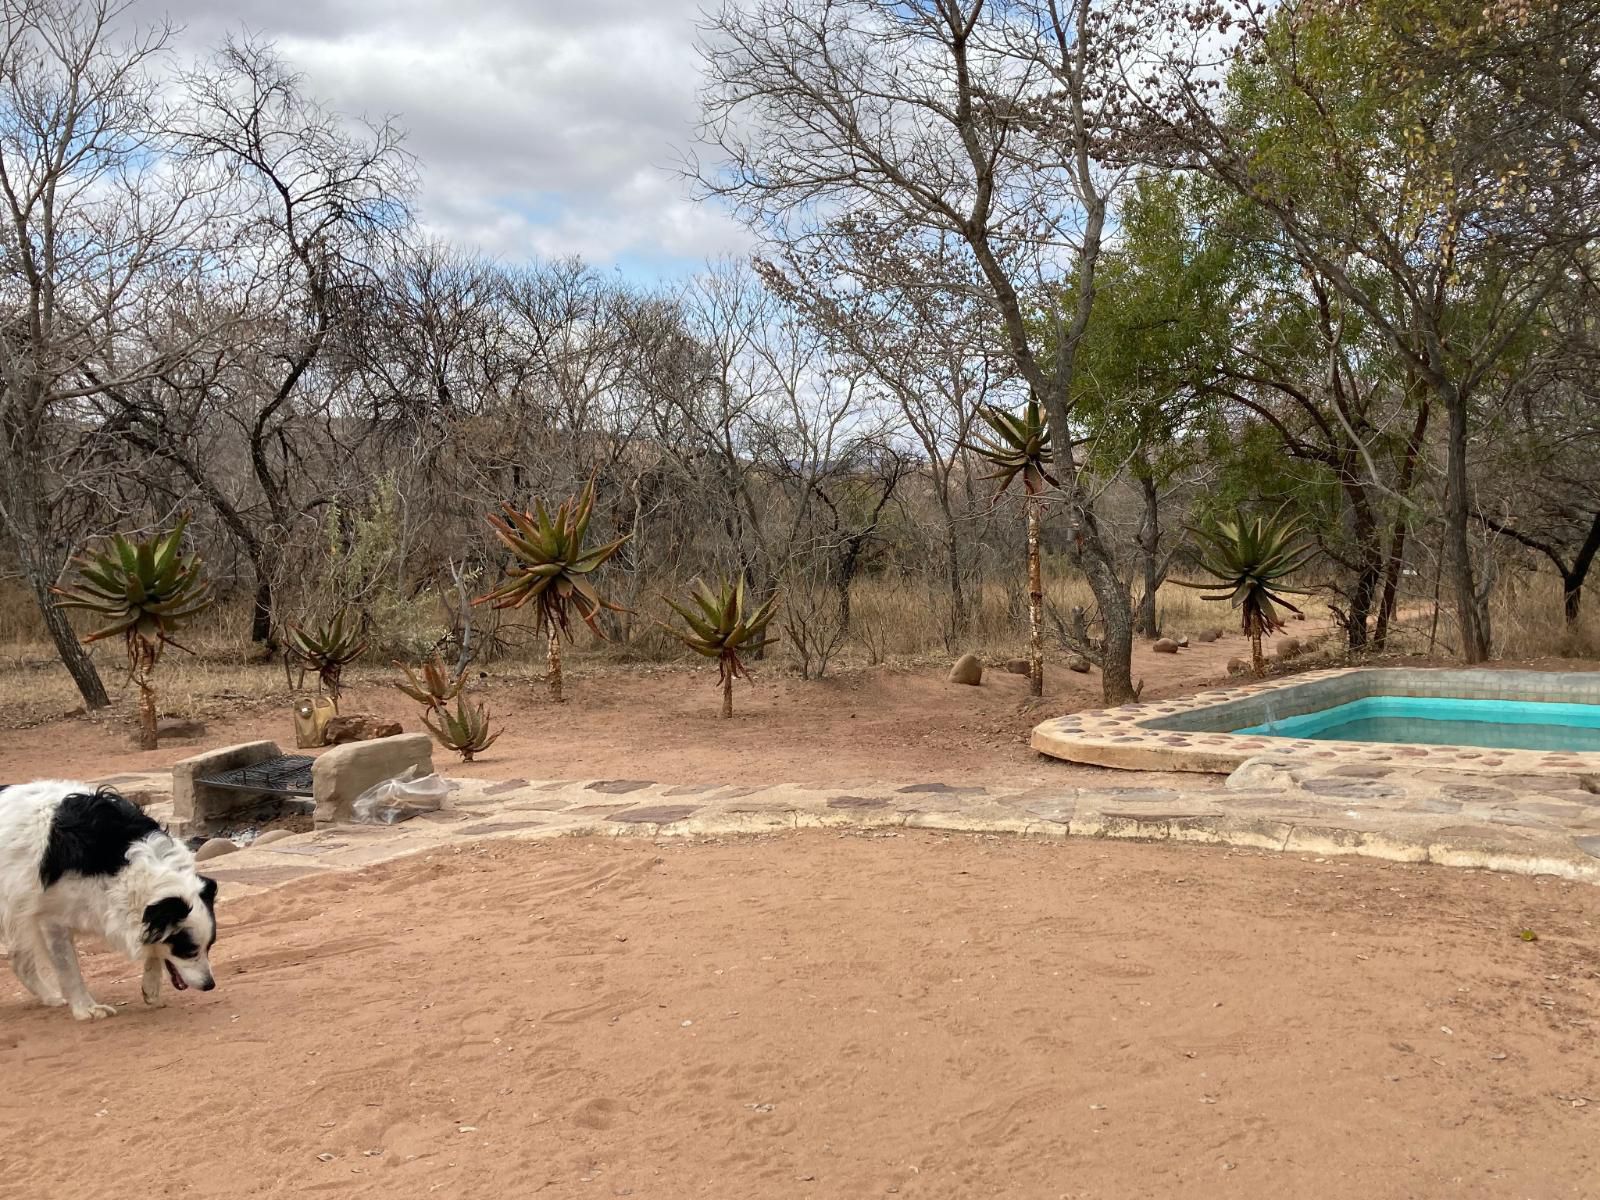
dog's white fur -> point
(39, 923)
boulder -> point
(968, 670)
(357, 727)
(1209, 635)
(1078, 663)
(273, 835)
(1238, 666)
(1017, 666)
(213, 848)
(341, 774)
(1165, 646)
(1289, 648)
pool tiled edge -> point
(1187, 734)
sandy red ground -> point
(839, 1017)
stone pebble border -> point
(1482, 827)
(1172, 735)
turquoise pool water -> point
(1496, 724)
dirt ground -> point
(662, 723)
(826, 1016)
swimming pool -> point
(1463, 719)
(1446, 721)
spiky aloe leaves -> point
(1016, 444)
(144, 589)
(434, 688)
(721, 626)
(551, 566)
(329, 647)
(466, 730)
(1250, 556)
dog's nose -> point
(208, 985)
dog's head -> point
(180, 931)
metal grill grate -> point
(286, 775)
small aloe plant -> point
(1250, 557)
(466, 731)
(721, 627)
(145, 590)
(434, 688)
(551, 570)
(328, 648)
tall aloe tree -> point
(1018, 446)
(721, 627)
(551, 569)
(146, 590)
(1251, 557)
(328, 648)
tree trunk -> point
(555, 666)
(261, 609)
(1470, 614)
(73, 656)
(147, 713)
(1258, 661)
(1572, 580)
(1149, 539)
(1035, 602)
(958, 601)
(727, 695)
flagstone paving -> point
(1543, 824)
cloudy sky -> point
(544, 127)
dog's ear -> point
(208, 892)
(162, 917)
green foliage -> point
(1016, 444)
(434, 688)
(145, 590)
(551, 566)
(328, 647)
(722, 627)
(1251, 557)
(466, 731)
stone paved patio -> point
(1545, 823)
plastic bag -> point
(399, 799)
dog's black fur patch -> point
(164, 916)
(208, 893)
(90, 835)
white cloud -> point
(544, 127)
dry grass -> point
(899, 623)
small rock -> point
(968, 670)
(214, 848)
(273, 835)
(1238, 666)
(1590, 783)
(357, 727)
(1298, 616)
(1183, 643)
(1078, 663)
(1165, 646)
(1263, 773)
(179, 727)
(1209, 635)
(1289, 648)
(1017, 666)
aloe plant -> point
(146, 590)
(720, 627)
(466, 731)
(1018, 445)
(434, 688)
(1251, 556)
(328, 648)
(551, 570)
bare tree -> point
(983, 119)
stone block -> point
(344, 772)
(194, 808)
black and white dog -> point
(75, 860)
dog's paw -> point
(93, 1012)
(154, 999)
(53, 1001)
